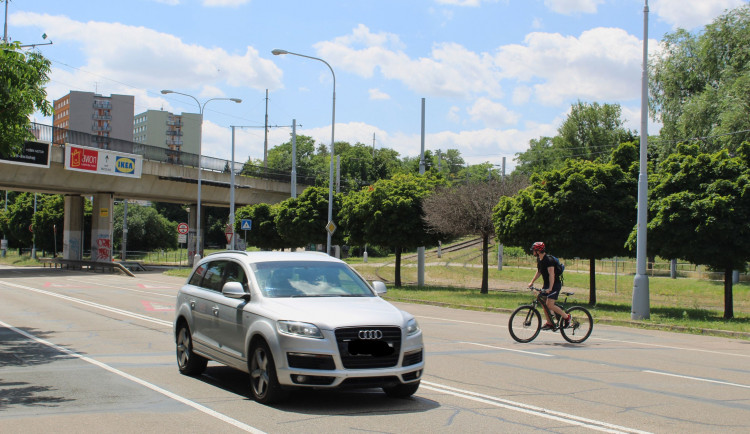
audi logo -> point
(370, 334)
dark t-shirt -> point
(543, 266)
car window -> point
(197, 276)
(235, 273)
(309, 279)
(214, 274)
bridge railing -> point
(61, 136)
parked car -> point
(295, 320)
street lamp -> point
(200, 155)
(277, 52)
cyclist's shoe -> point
(566, 321)
(548, 326)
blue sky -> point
(494, 73)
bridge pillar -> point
(102, 220)
(73, 228)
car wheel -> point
(264, 384)
(188, 362)
(402, 390)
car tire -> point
(188, 362)
(402, 390)
(264, 384)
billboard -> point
(36, 154)
(102, 161)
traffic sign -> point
(247, 224)
(331, 227)
(229, 232)
(182, 228)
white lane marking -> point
(506, 349)
(155, 388)
(92, 304)
(529, 409)
(697, 379)
(670, 347)
(132, 290)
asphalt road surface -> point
(83, 352)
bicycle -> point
(525, 322)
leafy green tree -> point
(19, 217)
(541, 156)
(147, 229)
(389, 214)
(48, 222)
(585, 210)
(263, 233)
(466, 209)
(302, 220)
(700, 209)
(700, 84)
(174, 212)
(23, 75)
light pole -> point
(200, 155)
(277, 52)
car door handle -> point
(216, 310)
(192, 304)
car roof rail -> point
(227, 251)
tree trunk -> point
(592, 282)
(485, 262)
(728, 303)
(398, 268)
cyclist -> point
(545, 267)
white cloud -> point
(601, 64)
(221, 3)
(450, 71)
(569, 7)
(137, 57)
(492, 114)
(522, 94)
(377, 94)
(469, 3)
(690, 14)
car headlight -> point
(412, 327)
(296, 328)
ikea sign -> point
(124, 165)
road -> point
(84, 352)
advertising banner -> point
(32, 154)
(102, 161)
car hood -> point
(332, 312)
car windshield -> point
(309, 279)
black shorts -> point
(554, 292)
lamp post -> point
(277, 52)
(201, 107)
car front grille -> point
(380, 347)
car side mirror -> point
(234, 290)
(379, 287)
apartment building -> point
(105, 117)
(179, 133)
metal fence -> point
(61, 136)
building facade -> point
(178, 133)
(106, 117)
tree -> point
(263, 233)
(541, 156)
(147, 229)
(700, 208)
(48, 222)
(700, 84)
(302, 220)
(23, 75)
(466, 209)
(389, 214)
(586, 210)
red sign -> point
(182, 228)
(84, 159)
(229, 232)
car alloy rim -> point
(260, 372)
(183, 346)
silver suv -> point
(295, 320)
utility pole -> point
(265, 140)
(420, 250)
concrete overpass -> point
(159, 181)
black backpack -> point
(559, 267)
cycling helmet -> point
(537, 247)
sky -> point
(494, 74)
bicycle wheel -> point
(581, 325)
(524, 324)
